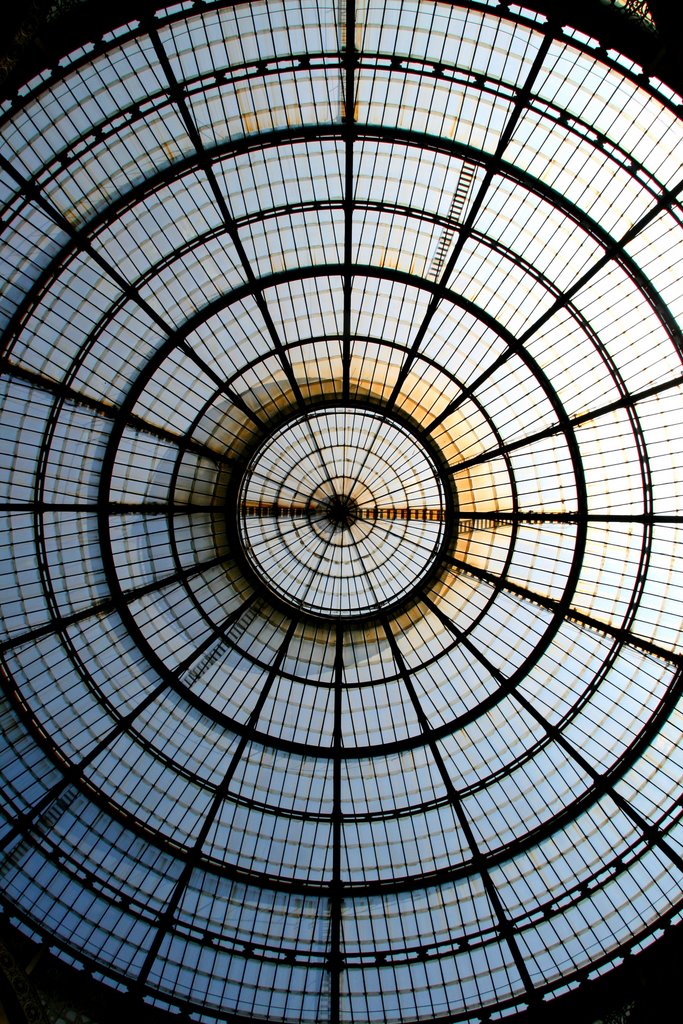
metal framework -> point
(341, 374)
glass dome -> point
(341, 651)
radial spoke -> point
(336, 887)
(58, 623)
(348, 121)
(568, 611)
(475, 208)
(112, 508)
(68, 393)
(167, 917)
(505, 927)
(177, 95)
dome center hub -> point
(342, 511)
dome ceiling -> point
(342, 509)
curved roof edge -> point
(641, 989)
(36, 39)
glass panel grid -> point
(340, 509)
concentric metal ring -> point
(342, 512)
(341, 655)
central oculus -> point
(342, 511)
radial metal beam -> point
(68, 394)
(169, 914)
(520, 102)
(177, 94)
(505, 927)
(336, 961)
(60, 623)
(568, 611)
(348, 129)
(650, 832)
(629, 401)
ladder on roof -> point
(454, 219)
